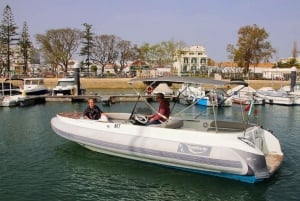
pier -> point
(105, 99)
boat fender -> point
(73, 92)
(23, 93)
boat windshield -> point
(65, 83)
(33, 82)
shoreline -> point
(122, 83)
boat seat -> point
(170, 123)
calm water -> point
(36, 164)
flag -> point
(250, 108)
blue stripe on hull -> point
(243, 178)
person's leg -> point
(152, 122)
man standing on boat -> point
(163, 111)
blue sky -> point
(213, 24)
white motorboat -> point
(10, 94)
(242, 94)
(195, 93)
(34, 86)
(7, 88)
(280, 97)
(11, 100)
(234, 150)
(164, 89)
(294, 91)
(66, 86)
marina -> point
(93, 112)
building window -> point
(184, 69)
(194, 60)
(185, 60)
(203, 61)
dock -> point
(98, 98)
(104, 99)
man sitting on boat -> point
(163, 111)
(94, 112)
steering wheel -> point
(140, 118)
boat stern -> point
(264, 165)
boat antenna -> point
(214, 103)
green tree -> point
(252, 47)
(2, 58)
(94, 69)
(8, 35)
(59, 45)
(144, 52)
(161, 54)
(87, 44)
(25, 47)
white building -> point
(191, 59)
(278, 73)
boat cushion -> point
(170, 123)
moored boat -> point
(66, 86)
(242, 94)
(34, 86)
(10, 94)
(192, 93)
(295, 90)
(280, 97)
(11, 100)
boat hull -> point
(277, 97)
(9, 101)
(167, 147)
(37, 92)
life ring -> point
(149, 89)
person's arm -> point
(163, 111)
(86, 113)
